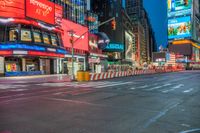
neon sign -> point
(21, 46)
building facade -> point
(183, 29)
(30, 38)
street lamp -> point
(72, 41)
(71, 32)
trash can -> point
(80, 76)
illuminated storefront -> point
(81, 47)
(30, 42)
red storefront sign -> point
(58, 15)
(82, 42)
(41, 10)
(12, 8)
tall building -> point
(120, 48)
(74, 10)
(139, 17)
(183, 28)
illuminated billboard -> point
(41, 10)
(179, 7)
(79, 30)
(179, 28)
(128, 46)
(12, 8)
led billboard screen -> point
(41, 10)
(129, 46)
(81, 40)
(179, 7)
(179, 28)
(12, 8)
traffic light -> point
(113, 24)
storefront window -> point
(54, 40)
(13, 34)
(26, 35)
(37, 37)
(46, 38)
(2, 31)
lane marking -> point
(113, 85)
(192, 130)
(160, 114)
(142, 87)
(154, 88)
(187, 91)
(132, 88)
(173, 88)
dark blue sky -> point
(157, 11)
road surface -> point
(159, 103)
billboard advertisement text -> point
(82, 42)
(40, 10)
(179, 7)
(179, 28)
(12, 8)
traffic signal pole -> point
(72, 41)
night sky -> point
(157, 11)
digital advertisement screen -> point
(12, 8)
(41, 10)
(179, 28)
(129, 45)
(81, 42)
(179, 7)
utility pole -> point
(72, 41)
(71, 32)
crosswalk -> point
(156, 87)
(120, 85)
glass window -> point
(54, 40)
(37, 37)
(46, 38)
(2, 34)
(26, 35)
(13, 34)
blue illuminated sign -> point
(21, 46)
(61, 51)
(179, 28)
(115, 47)
(29, 47)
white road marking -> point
(185, 125)
(154, 88)
(6, 86)
(187, 91)
(113, 85)
(173, 88)
(132, 88)
(19, 90)
(190, 131)
(142, 87)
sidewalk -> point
(36, 79)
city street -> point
(157, 103)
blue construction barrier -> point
(23, 73)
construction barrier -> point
(109, 75)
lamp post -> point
(72, 41)
(71, 32)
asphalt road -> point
(159, 103)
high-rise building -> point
(120, 48)
(74, 10)
(139, 17)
